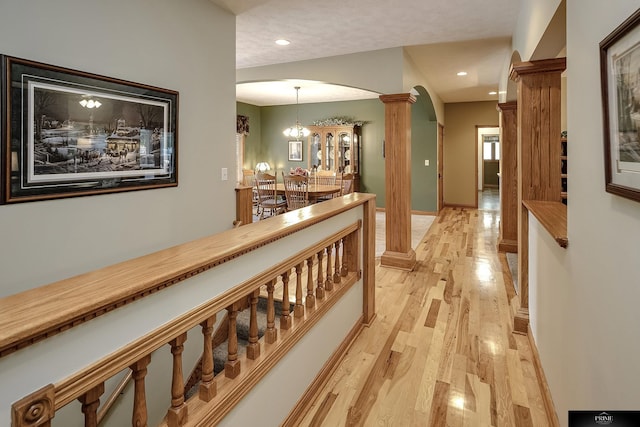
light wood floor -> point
(441, 351)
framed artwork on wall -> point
(69, 133)
(295, 151)
(620, 79)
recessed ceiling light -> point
(282, 42)
(462, 73)
(493, 92)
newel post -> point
(397, 149)
(36, 409)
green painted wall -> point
(424, 146)
(267, 143)
(253, 141)
(275, 148)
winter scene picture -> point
(74, 134)
(627, 68)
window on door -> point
(491, 147)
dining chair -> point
(249, 180)
(323, 177)
(268, 198)
(296, 189)
(346, 184)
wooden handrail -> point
(137, 278)
(35, 314)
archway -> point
(424, 153)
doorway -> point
(488, 176)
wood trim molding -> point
(547, 400)
(508, 230)
(456, 205)
(521, 321)
(511, 105)
(398, 97)
(369, 251)
(508, 246)
(553, 65)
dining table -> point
(315, 191)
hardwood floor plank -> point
(323, 410)
(441, 351)
(522, 416)
(439, 406)
(432, 316)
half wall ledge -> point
(552, 216)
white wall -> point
(378, 71)
(413, 77)
(583, 304)
(186, 46)
(534, 17)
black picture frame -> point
(620, 85)
(68, 133)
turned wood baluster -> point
(328, 283)
(320, 286)
(285, 318)
(177, 413)
(271, 333)
(298, 309)
(90, 403)
(253, 349)
(311, 299)
(336, 270)
(139, 418)
(232, 366)
(345, 257)
(207, 389)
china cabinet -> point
(336, 149)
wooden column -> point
(244, 205)
(508, 237)
(397, 117)
(539, 106)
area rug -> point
(419, 226)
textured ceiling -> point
(443, 36)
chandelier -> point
(298, 130)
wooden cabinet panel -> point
(336, 149)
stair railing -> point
(61, 342)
